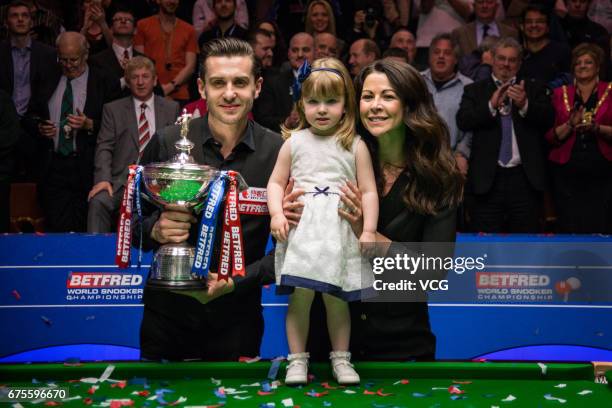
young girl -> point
(322, 254)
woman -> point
(320, 18)
(420, 187)
(581, 152)
(280, 47)
(94, 26)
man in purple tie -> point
(508, 117)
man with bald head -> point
(274, 105)
(361, 53)
(71, 113)
(325, 45)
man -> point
(175, 326)
(544, 59)
(26, 62)
(361, 53)
(172, 44)
(127, 127)
(226, 25)
(404, 39)
(579, 28)
(73, 112)
(396, 54)
(275, 105)
(46, 24)
(325, 45)
(263, 44)
(10, 133)
(471, 35)
(446, 86)
(114, 60)
(508, 117)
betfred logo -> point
(510, 280)
(101, 280)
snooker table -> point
(412, 384)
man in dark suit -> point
(127, 127)
(275, 104)
(469, 36)
(508, 118)
(73, 111)
(26, 68)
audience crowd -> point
(523, 87)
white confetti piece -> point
(585, 392)
(560, 385)
(233, 391)
(551, 398)
(179, 401)
(543, 367)
(152, 398)
(350, 392)
(275, 384)
(89, 380)
(288, 402)
(215, 381)
(241, 397)
(494, 406)
(17, 405)
(509, 398)
(78, 397)
(251, 385)
(107, 373)
(439, 388)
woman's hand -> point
(351, 197)
(575, 118)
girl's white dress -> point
(322, 252)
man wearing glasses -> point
(72, 114)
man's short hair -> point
(538, 8)
(80, 38)
(229, 47)
(252, 35)
(370, 47)
(508, 42)
(122, 8)
(396, 52)
(448, 37)
(15, 4)
(137, 62)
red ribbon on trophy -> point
(231, 260)
(124, 226)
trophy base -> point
(171, 269)
(159, 284)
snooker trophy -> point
(182, 182)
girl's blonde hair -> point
(325, 84)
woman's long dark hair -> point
(435, 180)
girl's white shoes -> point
(297, 370)
(342, 368)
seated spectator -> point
(600, 11)
(263, 45)
(204, 17)
(446, 87)
(46, 25)
(581, 147)
(94, 26)
(405, 40)
(396, 54)
(362, 53)
(471, 35)
(280, 50)
(368, 23)
(275, 104)
(225, 25)
(72, 112)
(545, 59)
(326, 45)
(127, 126)
(477, 65)
(579, 28)
(172, 44)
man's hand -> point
(292, 208)
(173, 225)
(101, 186)
(462, 163)
(498, 96)
(518, 95)
(168, 88)
(79, 121)
(47, 129)
(215, 288)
